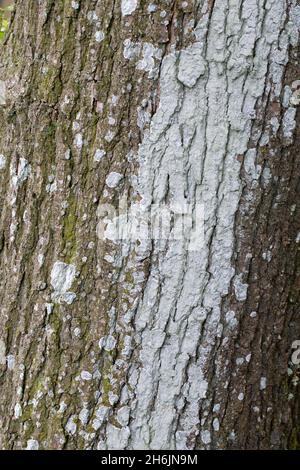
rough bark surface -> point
(147, 344)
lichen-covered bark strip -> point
(145, 344)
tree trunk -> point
(142, 341)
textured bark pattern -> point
(149, 345)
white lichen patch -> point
(84, 416)
(62, 278)
(149, 62)
(289, 122)
(131, 49)
(108, 343)
(99, 36)
(67, 154)
(49, 308)
(295, 97)
(52, 184)
(99, 154)
(114, 179)
(2, 353)
(41, 259)
(2, 162)
(77, 332)
(17, 411)
(231, 319)
(86, 375)
(78, 141)
(92, 16)
(32, 444)
(205, 437)
(148, 55)
(216, 424)
(152, 8)
(71, 425)
(109, 136)
(128, 7)
(240, 289)
(101, 415)
(19, 175)
(263, 383)
(2, 93)
(10, 360)
(267, 256)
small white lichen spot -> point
(149, 61)
(17, 411)
(108, 343)
(151, 8)
(49, 308)
(240, 289)
(77, 332)
(32, 444)
(78, 141)
(241, 397)
(205, 437)
(2, 93)
(230, 319)
(216, 424)
(41, 258)
(109, 136)
(68, 297)
(128, 7)
(113, 179)
(248, 357)
(99, 36)
(85, 375)
(289, 122)
(2, 161)
(84, 416)
(263, 383)
(67, 154)
(62, 277)
(131, 49)
(10, 359)
(92, 16)
(71, 425)
(295, 98)
(22, 173)
(99, 154)
(75, 5)
(267, 256)
(2, 353)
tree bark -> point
(147, 343)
